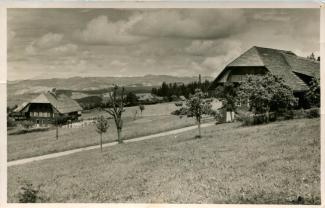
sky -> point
(61, 43)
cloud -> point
(49, 40)
(212, 47)
(102, 31)
(64, 49)
(50, 44)
(193, 24)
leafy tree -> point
(116, 110)
(313, 94)
(101, 127)
(196, 106)
(318, 58)
(141, 107)
(266, 93)
(227, 94)
(132, 99)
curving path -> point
(68, 152)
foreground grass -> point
(272, 164)
(40, 143)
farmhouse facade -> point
(296, 71)
(47, 108)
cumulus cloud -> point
(102, 31)
(49, 40)
(51, 44)
(182, 23)
(212, 47)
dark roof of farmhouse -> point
(62, 103)
(279, 62)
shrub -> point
(219, 116)
(312, 113)
(11, 122)
(29, 193)
(27, 124)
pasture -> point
(277, 163)
(155, 119)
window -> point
(35, 113)
(31, 114)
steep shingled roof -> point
(278, 62)
(62, 103)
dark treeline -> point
(176, 89)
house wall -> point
(41, 113)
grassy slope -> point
(155, 118)
(272, 163)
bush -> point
(249, 120)
(27, 124)
(11, 122)
(219, 116)
(312, 113)
(29, 193)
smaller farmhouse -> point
(48, 107)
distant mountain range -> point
(22, 90)
(93, 83)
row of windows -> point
(40, 114)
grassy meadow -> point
(154, 119)
(277, 163)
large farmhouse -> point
(48, 107)
(296, 71)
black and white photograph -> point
(163, 105)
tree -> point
(116, 110)
(141, 107)
(196, 106)
(227, 94)
(132, 99)
(266, 93)
(101, 127)
(313, 94)
(312, 56)
(318, 58)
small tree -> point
(141, 107)
(116, 110)
(196, 106)
(266, 93)
(101, 127)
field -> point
(155, 118)
(277, 163)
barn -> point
(47, 108)
(296, 71)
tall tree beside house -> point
(101, 127)
(116, 110)
(266, 93)
(196, 106)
